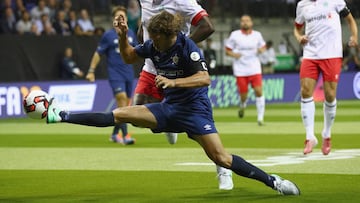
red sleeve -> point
(198, 17)
(228, 48)
(298, 25)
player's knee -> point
(330, 97)
(120, 114)
(222, 159)
(305, 92)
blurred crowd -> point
(59, 17)
(76, 17)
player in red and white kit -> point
(146, 91)
(322, 44)
(194, 15)
(244, 46)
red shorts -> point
(244, 81)
(330, 69)
(146, 85)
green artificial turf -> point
(70, 163)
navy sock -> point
(116, 129)
(90, 119)
(244, 168)
(123, 128)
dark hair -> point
(165, 23)
(118, 8)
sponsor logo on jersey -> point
(316, 18)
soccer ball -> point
(36, 104)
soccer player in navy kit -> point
(182, 74)
(121, 75)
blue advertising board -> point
(83, 96)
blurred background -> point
(41, 39)
(35, 33)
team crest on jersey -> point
(175, 59)
(195, 56)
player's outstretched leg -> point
(244, 168)
(211, 143)
(56, 115)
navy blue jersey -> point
(182, 60)
(109, 45)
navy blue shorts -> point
(192, 118)
(122, 86)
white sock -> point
(307, 115)
(260, 106)
(329, 117)
(222, 170)
(243, 104)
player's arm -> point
(298, 33)
(199, 79)
(127, 51)
(202, 30)
(353, 42)
(93, 64)
(231, 53)
(262, 49)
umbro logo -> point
(207, 127)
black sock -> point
(244, 168)
(124, 130)
(116, 129)
(90, 119)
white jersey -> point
(247, 45)
(322, 27)
(189, 9)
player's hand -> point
(120, 26)
(353, 42)
(237, 55)
(303, 39)
(80, 74)
(163, 82)
(90, 77)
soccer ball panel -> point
(36, 104)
